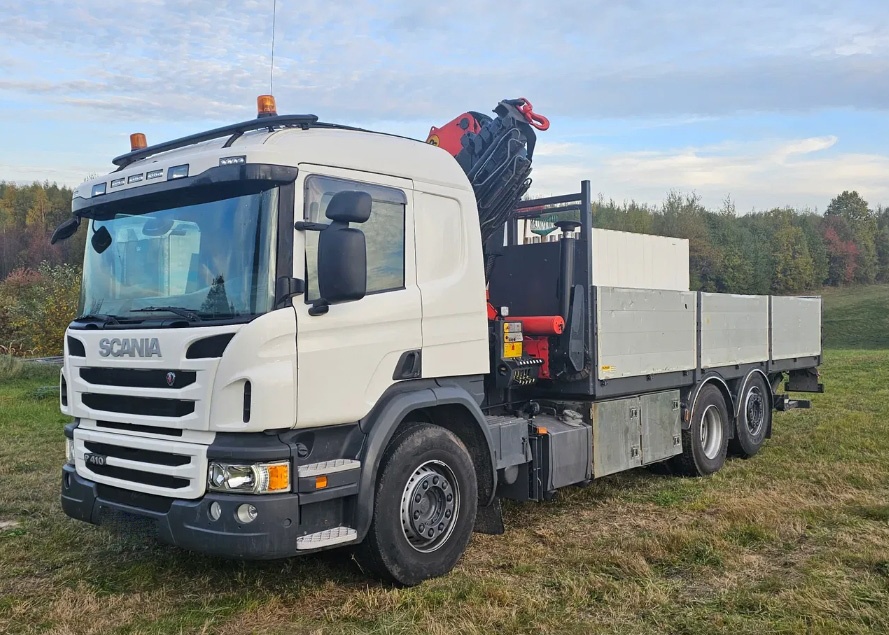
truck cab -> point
(285, 345)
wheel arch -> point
(451, 407)
(739, 397)
(742, 386)
(709, 378)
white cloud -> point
(749, 173)
(107, 68)
(408, 60)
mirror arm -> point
(304, 225)
(319, 307)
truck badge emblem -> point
(171, 379)
(130, 347)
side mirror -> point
(65, 230)
(342, 250)
(101, 239)
(342, 264)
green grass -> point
(856, 317)
(795, 540)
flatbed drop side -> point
(286, 346)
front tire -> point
(705, 443)
(754, 419)
(424, 507)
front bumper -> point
(187, 523)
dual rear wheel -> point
(707, 441)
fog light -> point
(215, 511)
(247, 513)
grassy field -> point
(856, 317)
(795, 540)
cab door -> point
(347, 357)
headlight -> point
(69, 451)
(255, 478)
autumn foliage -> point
(36, 307)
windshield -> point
(210, 260)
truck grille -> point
(136, 454)
(139, 429)
(150, 406)
(136, 378)
(137, 476)
(158, 467)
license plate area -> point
(91, 458)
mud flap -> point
(489, 520)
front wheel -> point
(424, 508)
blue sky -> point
(771, 103)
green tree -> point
(863, 222)
(794, 269)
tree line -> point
(28, 215)
(782, 250)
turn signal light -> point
(265, 106)
(321, 482)
(138, 141)
(279, 477)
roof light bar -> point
(177, 172)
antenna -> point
(272, 68)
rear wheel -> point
(705, 443)
(754, 419)
(424, 508)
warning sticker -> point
(512, 349)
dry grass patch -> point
(795, 540)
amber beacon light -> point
(265, 106)
(138, 141)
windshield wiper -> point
(189, 315)
(97, 317)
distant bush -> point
(10, 367)
(36, 307)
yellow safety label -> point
(512, 349)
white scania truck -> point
(296, 336)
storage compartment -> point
(661, 426)
(567, 451)
(616, 435)
(635, 431)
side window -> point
(384, 232)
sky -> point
(768, 103)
